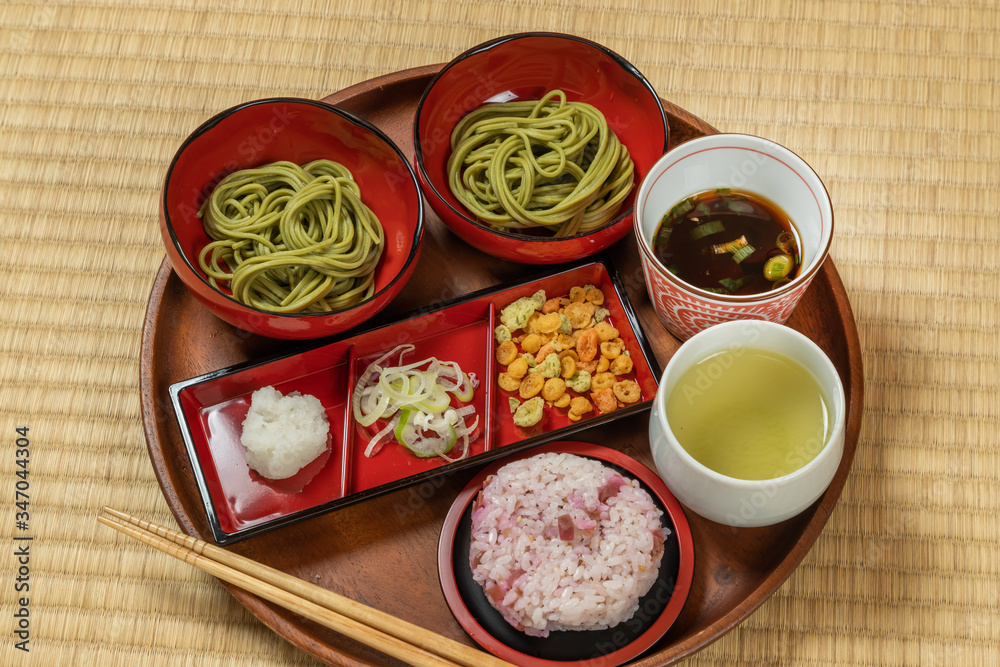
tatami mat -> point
(895, 104)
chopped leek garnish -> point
(733, 286)
(681, 208)
(664, 235)
(732, 246)
(743, 253)
(707, 229)
(785, 242)
(739, 206)
(410, 396)
(778, 267)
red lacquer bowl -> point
(526, 66)
(297, 130)
(658, 609)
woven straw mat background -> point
(896, 105)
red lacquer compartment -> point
(556, 420)
(211, 408)
(214, 411)
(460, 334)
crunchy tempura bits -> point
(603, 381)
(518, 368)
(588, 345)
(567, 366)
(559, 351)
(627, 391)
(508, 383)
(594, 296)
(531, 343)
(622, 365)
(579, 406)
(531, 385)
(605, 331)
(604, 400)
(553, 389)
(506, 352)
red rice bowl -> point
(563, 542)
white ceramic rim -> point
(839, 408)
(775, 151)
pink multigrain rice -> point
(562, 542)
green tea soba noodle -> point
(543, 163)
(291, 239)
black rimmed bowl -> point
(525, 67)
(297, 130)
(657, 611)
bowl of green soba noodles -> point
(531, 147)
(291, 218)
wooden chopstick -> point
(393, 636)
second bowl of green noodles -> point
(531, 147)
(291, 218)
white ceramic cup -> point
(740, 502)
(740, 162)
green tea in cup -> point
(749, 414)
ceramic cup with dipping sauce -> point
(726, 498)
(741, 163)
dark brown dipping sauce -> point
(728, 242)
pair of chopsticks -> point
(384, 632)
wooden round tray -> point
(383, 552)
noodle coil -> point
(549, 164)
(290, 239)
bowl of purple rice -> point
(570, 552)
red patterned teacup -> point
(741, 162)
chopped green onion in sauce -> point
(730, 247)
(733, 286)
(707, 229)
(778, 267)
(700, 235)
(743, 253)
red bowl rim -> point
(486, 46)
(218, 118)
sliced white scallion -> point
(416, 398)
